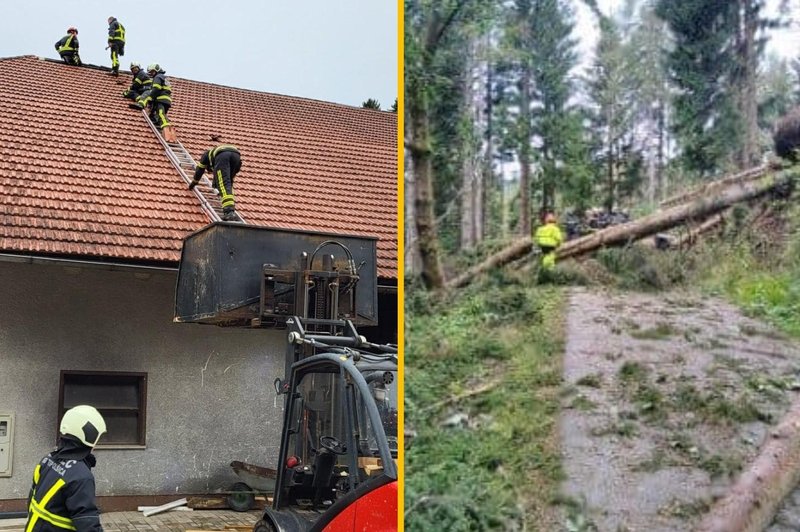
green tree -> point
(701, 64)
(428, 26)
(371, 103)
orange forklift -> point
(337, 463)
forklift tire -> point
(263, 526)
(243, 500)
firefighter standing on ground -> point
(116, 41)
(141, 82)
(63, 493)
(548, 237)
(159, 97)
(224, 162)
(68, 47)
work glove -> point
(192, 185)
(126, 93)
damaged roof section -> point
(83, 175)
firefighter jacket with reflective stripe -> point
(68, 43)
(141, 82)
(116, 32)
(207, 160)
(62, 497)
(162, 90)
(548, 235)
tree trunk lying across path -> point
(516, 250)
(699, 209)
(752, 501)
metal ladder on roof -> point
(184, 164)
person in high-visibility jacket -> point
(548, 237)
(224, 162)
(116, 42)
(63, 493)
(67, 47)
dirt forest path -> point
(667, 397)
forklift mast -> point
(339, 438)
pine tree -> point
(371, 103)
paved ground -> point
(668, 397)
(166, 522)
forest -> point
(628, 120)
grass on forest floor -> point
(489, 460)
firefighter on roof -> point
(116, 42)
(141, 82)
(63, 493)
(159, 98)
(224, 162)
(68, 47)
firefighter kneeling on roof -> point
(140, 84)
(224, 162)
(63, 493)
(548, 237)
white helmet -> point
(85, 423)
(153, 67)
(136, 65)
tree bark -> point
(525, 152)
(427, 238)
(752, 501)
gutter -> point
(115, 266)
(111, 266)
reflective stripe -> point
(36, 473)
(227, 199)
(38, 508)
(67, 46)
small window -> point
(120, 397)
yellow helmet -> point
(85, 423)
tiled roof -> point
(82, 174)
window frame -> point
(107, 377)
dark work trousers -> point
(117, 49)
(158, 114)
(71, 58)
(226, 165)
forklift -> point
(337, 462)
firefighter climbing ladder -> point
(184, 164)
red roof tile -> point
(83, 175)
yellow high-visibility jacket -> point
(548, 235)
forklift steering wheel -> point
(333, 445)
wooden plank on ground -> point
(208, 503)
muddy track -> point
(667, 397)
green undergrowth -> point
(755, 263)
(483, 370)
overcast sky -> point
(784, 42)
(341, 51)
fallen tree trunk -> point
(690, 237)
(699, 209)
(752, 501)
(659, 221)
(501, 258)
(713, 186)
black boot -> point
(229, 215)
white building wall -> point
(210, 398)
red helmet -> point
(72, 29)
